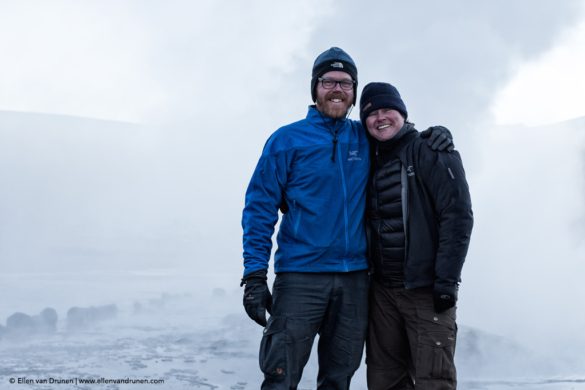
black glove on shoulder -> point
(439, 138)
(444, 300)
(257, 297)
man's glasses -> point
(346, 85)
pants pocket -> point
(436, 356)
(273, 350)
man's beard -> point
(333, 110)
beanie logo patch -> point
(338, 65)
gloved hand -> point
(444, 300)
(257, 297)
(439, 138)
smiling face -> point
(383, 124)
(335, 102)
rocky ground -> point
(203, 340)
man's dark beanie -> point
(331, 60)
(380, 95)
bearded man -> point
(315, 171)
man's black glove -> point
(439, 138)
(257, 298)
(444, 300)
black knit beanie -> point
(380, 95)
(331, 60)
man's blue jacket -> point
(317, 169)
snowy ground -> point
(188, 333)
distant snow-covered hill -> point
(81, 192)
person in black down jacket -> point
(419, 226)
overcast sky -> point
(142, 61)
(203, 84)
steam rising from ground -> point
(523, 275)
(112, 231)
(201, 337)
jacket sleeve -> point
(449, 191)
(263, 198)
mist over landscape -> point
(124, 160)
(91, 220)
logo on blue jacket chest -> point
(354, 155)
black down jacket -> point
(436, 208)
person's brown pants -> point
(409, 346)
